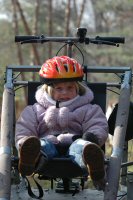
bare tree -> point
(67, 21)
(28, 31)
(81, 13)
(19, 52)
(35, 31)
(75, 8)
(50, 30)
(67, 18)
(37, 8)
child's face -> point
(64, 91)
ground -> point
(20, 193)
(87, 194)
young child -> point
(63, 121)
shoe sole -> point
(29, 153)
(94, 159)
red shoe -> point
(94, 159)
(29, 154)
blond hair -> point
(79, 87)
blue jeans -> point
(74, 151)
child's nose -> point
(64, 91)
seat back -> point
(99, 90)
(32, 88)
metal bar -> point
(94, 69)
(124, 160)
(119, 138)
(9, 78)
(81, 33)
(59, 39)
(100, 69)
(17, 83)
(5, 143)
(6, 137)
(113, 85)
(69, 50)
(23, 68)
(127, 164)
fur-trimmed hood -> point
(45, 100)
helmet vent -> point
(66, 68)
(57, 68)
(74, 68)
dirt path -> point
(52, 195)
(86, 194)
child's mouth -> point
(64, 99)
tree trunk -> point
(50, 24)
(75, 8)
(28, 31)
(34, 32)
(81, 13)
(67, 22)
(37, 8)
(19, 52)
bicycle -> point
(7, 148)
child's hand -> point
(52, 139)
(65, 139)
(90, 137)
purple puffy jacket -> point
(73, 117)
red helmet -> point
(61, 68)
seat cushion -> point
(61, 168)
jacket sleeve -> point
(95, 122)
(26, 125)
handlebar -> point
(115, 41)
(26, 38)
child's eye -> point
(70, 87)
(58, 89)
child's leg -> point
(93, 157)
(29, 154)
(75, 152)
(48, 148)
(90, 158)
(32, 152)
(48, 151)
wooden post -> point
(118, 140)
(5, 143)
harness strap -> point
(30, 192)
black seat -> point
(112, 120)
(65, 167)
(99, 90)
